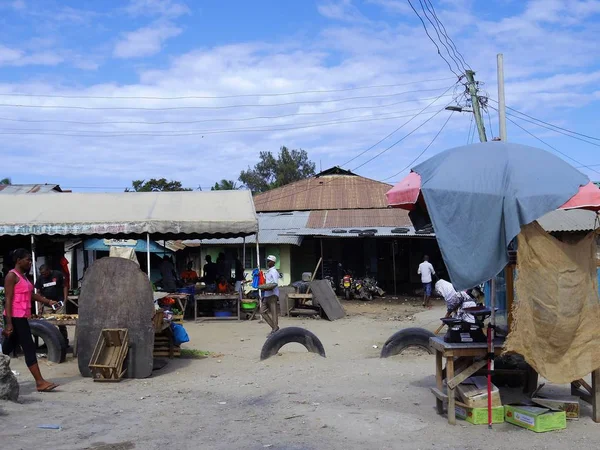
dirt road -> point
(296, 401)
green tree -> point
(272, 172)
(156, 185)
(225, 185)
(5, 181)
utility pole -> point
(476, 107)
(501, 99)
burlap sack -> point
(556, 324)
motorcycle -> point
(347, 286)
(372, 287)
(360, 291)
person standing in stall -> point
(51, 284)
(269, 307)
(19, 293)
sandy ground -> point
(350, 400)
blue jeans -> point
(427, 287)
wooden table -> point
(462, 361)
(66, 323)
(217, 298)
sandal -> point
(49, 388)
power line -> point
(470, 128)
(297, 192)
(198, 97)
(432, 40)
(437, 31)
(396, 130)
(552, 147)
(172, 108)
(397, 142)
(409, 165)
(242, 119)
(77, 133)
(552, 129)
(550, 124)
(447, 36)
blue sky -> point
(62, 53)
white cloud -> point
(145, 41)
(16, 57)
(18, 5)
(165, 8)
(549, 80)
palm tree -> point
(5, 181)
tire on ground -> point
(56, 345)
(409, 337)
(291, 334)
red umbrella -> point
(406, 193)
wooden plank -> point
(323, 293)
(440, 396)
(451, 395)
(453, 382)
(596, 395)
(439, 380)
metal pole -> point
(322, 265)
(490, 336)
(501, 98)
(34, 269)
(260, 319)
(394, 266)
(476, 107)
(148, 253)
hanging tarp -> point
(138, 245)
(164, 214)
(478, 197)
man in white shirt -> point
(270, 301)
(426, 271)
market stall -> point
(137, 216)
(476, 218)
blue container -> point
(223, 314)
(190, 290)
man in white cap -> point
(270, 300)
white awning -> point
(168, 215)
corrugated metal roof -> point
(29, 188)
(356, 232)
(571, 220)
(352, 218)
(325, 192)
(271, 230)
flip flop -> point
(49, 388)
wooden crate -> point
(162, 347)
(110, 352)
(177, 319)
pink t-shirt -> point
(21, 305)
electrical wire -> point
(242, 119)
(397, 142)
(490, 122)
(432, 40)
(552, 129)
(396, 130)
(437, 32)
(408, 166)
(190, 97)
(77, 133)
(552, 147)
(297, 192)
(549, 124)
(470, 128)
(172, 108)
(458, 54)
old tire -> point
(409, 337)
(291, 334)
(56, 345)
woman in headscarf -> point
(17, 309)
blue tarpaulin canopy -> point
(139, 245)
(479, 196)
